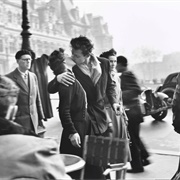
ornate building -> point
(52, 24)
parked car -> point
(154, 103)
(169, 85)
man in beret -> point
(30, 113)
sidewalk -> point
(164, 163)
(163, 167)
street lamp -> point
(25, 26)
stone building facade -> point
(52, 24)
(158, 71)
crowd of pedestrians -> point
(98, 95)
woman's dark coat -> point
(72, 113)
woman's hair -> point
(106, 54)
(82, 43)
(56, 61)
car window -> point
(173, 80)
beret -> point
(22, 52)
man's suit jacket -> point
(97, 93)
(29, 102)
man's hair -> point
(106, 54)
(122, 60)
(22, 52)
(8, 88)
(82, 43)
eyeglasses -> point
(27, 59)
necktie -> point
(26, 79)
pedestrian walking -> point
(130, 92)
(176, 118)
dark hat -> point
(57, 61)
(22, 52)
(122, 60)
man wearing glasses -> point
(30, 113)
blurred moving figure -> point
(30, 113)
(130, 92)
(119, 122)
(22, 156)
(176, 118)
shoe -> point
(135, 170)
(145, 162)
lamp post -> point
(25, 26)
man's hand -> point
(75, 140)
(117, 108)
(66, 78)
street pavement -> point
(164, 162)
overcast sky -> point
(154, 24)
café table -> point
(72, 162)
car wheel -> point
(160, 115)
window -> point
(11, 47)
(9, 17)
